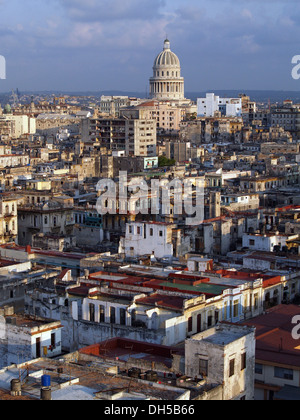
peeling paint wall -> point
(239, 381)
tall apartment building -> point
(140, 133)
(20, 125)
(109, 132)
(140, 138)
(168, 115)
(132, 132)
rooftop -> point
(223, 334)
(80, 379)
(274, 341)
(124, 349)
(170, 302)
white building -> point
(11, 161)
(224, 354)
(266, 242)
(151, 238)
(24, 338)
(22, 124)
(229, 107)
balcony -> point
(9, 215)
(10, 233)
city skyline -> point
(100, 46)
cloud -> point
(112, 10)
(116, 41)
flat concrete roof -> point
(83, 380)
(223, 334)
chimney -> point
(28, 249)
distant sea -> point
(262, 96)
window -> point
(256, 301)
(102, 313)
(236, 309)
(190, 324)
(199, 323)
(225, 310)
(252, 242)
(38, 347)
(122, 316)
(258, 369)
(161, 233)
(283, 373)
(53, 340)
(112, 315)
(151, 232)
(92, 312)
(133, 316)
(203, 367)
(216, 317)
(243, 361)
(231, 368)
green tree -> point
(164, 161)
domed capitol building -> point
(167, 83)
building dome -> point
(167, 83)
(166, 57)
(7, 109)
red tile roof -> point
(164, 301)
(274, 341)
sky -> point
(100, 45)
